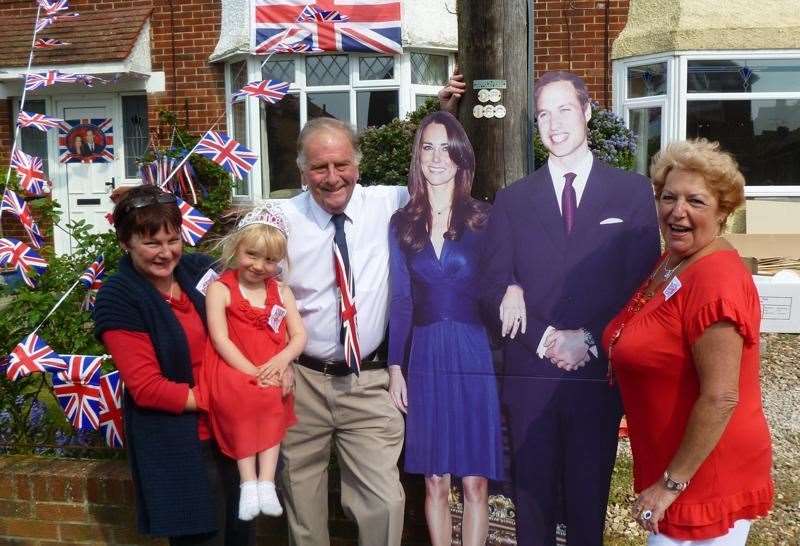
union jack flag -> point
(31, 173)
(36, 81)
(48, 43)
(330, 25)
(347, 311)
(78, 390)
(89, 80)
(92, 278)
(296, 47)
(52, 7)
(23, 258)
(33, 355)
(43, 23)
(269, 90)
(17, 205)
(194, 225)
(38, 121)
(181, 184)
(227, 153)
(110, 418)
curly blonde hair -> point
(719, 170)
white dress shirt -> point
(582, 168)
(310, 270)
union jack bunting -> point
(33, 355)
(78, 390)
(15, 204)
(227, 153)
(193, 225)
(329, 25)
(52, 7)
(30, 171)
(92, 278)
(22, 257)
(48, 43)
(89, 80)
(44, 22)
(36, 81)
(38, 121)
(270, 91)
(110, 418)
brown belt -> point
(339, 368)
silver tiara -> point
(268, 214)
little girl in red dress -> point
(255, 332)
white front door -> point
(88, 164)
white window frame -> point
(675, 101)
(259, 187)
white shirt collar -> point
(581, 168)
(322, 217)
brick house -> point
(187, 56)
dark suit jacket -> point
(580, 281)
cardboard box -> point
(780, 302)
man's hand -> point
(512, 312)
(567, 349)
(397, 388)
(450, 95)
(287, 381)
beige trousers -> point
(356, 415)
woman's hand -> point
(650, 506)
(287, 381)
(397, 388)
(270, 374)
(512, 312)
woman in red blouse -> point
(685, 351)
(151, 317)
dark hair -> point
(554, 76)
(413, 222)
(147, 219)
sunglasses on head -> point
(140, 201)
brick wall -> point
(60, 502)
(569, 35)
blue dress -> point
(435, 332)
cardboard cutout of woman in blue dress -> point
(437, 335)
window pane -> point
(278, 70)
(135, 132)
(428, 69)
(763, 135)
(376, 108)
(330, 105)
(422, 99)
(743, 76)
(376, 68)
(238, 74)
(33, 141)
(646, 126)
(327, 70)
(647, 80)
(281, 124)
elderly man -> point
(339, 273)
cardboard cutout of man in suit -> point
(575, 238)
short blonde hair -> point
(718, 168)
(268, 237)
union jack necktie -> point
(347, 306)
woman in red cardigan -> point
(685, 351)
(151, 317)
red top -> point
(136, 361)
(652, 361)
(245, 417)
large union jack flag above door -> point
(327, 25)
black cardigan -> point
(173, 492)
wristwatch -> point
(588, 338)
(672, 485)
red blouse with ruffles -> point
(652, 362)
